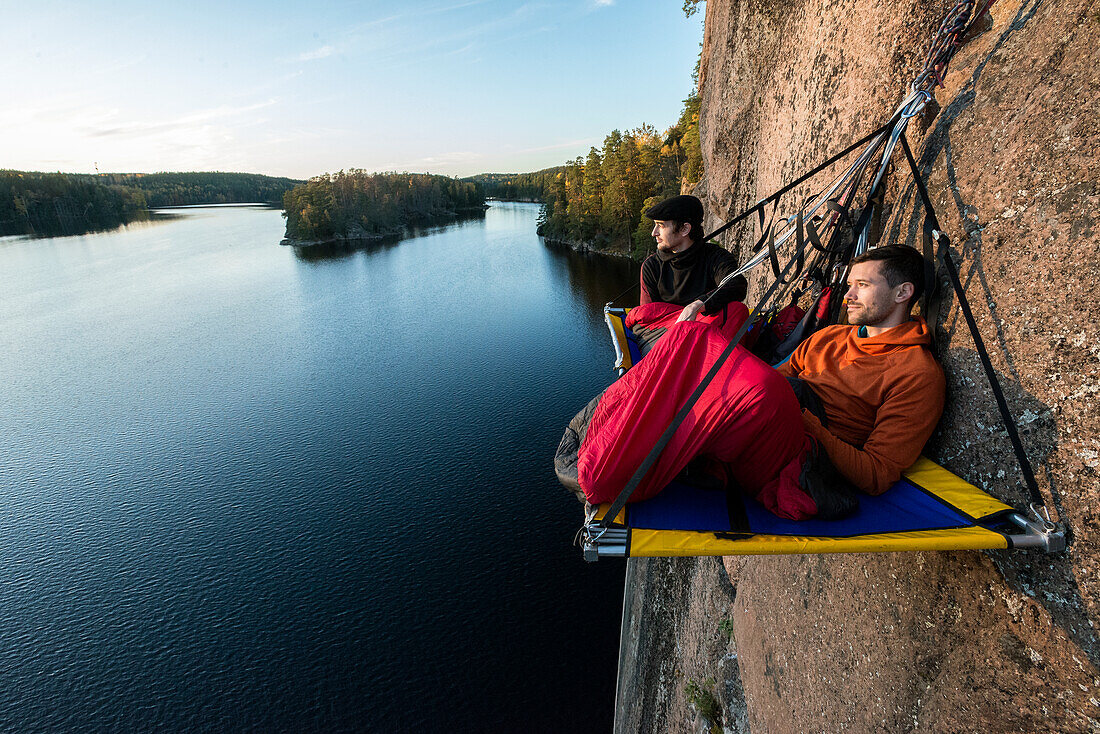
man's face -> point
(870, 299)
(671, 238)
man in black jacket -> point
(686, 271)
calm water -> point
(246, 488)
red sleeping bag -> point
(657, 315)
(747, 418)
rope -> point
(635, 285)
(946, 41)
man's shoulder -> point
(715, 251)
(914, 365)
(918, 361)
(834, 333)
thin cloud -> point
(450, 159)
(429, 48)
(140, 129)
(604, 3)
(557, 146)
(319, 53)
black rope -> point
(637, 284)
(983, 355)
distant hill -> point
(183, 189)
(517, 186)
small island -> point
(355, 205)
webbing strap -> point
(637, 284)
(799, 254)
(964, 306)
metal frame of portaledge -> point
(599, 542)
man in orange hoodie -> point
(880, 388)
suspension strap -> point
(637, 284)
(944, 252)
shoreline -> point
(587, 248)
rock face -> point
(962, 641)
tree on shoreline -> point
(600, 200)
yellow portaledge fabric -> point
(622, 347)
(961, 495)
(620, 519)
(691, 543)
(924, 473)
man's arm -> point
(721, 265)
(903, 425)
(648, 278)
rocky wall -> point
(949, 641)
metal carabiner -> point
(594, 537)
(914, 107)
(1043, 517)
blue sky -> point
(447, 86)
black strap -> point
(874, 203)
(964, 305)
(765, 229)
(799, 254)
(637, 284)
(814, 237)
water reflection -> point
(596, 279)
(343, 250)
(340, 250)
(212, 454)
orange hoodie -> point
(883, 396)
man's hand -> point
(690, 311)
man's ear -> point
(905, 292)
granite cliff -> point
(949, 641)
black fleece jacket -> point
(691, 275)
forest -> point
(355, 204)
(72, 203)
(600, 199)
(59, 203)
(185, 189)
(517, 186)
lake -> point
(251, 487)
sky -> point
(454, 87)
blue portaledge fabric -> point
(904, 507)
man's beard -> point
(867, 315)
